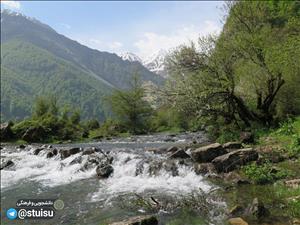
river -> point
(93, 201)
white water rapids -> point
(54, 171)
(83, 192)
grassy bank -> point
(279, 161)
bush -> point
(286, 128)
(263, 174)
(92, 124)
(293, 149)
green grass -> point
(285, 139)
(266, 173)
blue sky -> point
(139, 27)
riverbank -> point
(261, 188)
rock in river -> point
(65, 153)
(204, 168)
(52, 153)
(88, 151)
(104, 171)
(179, 154)
(37, 151)
(230, 161)
(6, 164)
(208, 153)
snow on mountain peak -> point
(155, 63)
(130, 57)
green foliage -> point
(285, 138)
(51, 126)
(292, 203)
(45, 105)
(286, 128)
(109, 128)
(168, 119)
(266, 173)
(36, 60)
(92, 124)
(132, 110)
(293, 149)
(75, 117)
(248, 75)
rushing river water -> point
(90, 200)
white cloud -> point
(11, 4)
(152, 42)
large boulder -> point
(179, 154)
(77, 160)
(208, 153)
(172, 149)
(104, 171)
(204, 168)
(6, 164)
(6, 132)
(169, 166)
(88, 151)
(234, 159)
(94, 160)
(65, 153)
(232, 145)
(138, 220)
(37, 151)
(52, 153)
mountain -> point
(156, 63)
(36, 60)
(130, 57)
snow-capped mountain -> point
(155, 63)
(130, 57)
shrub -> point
(92, 124)
(262, 174)
(286, 128)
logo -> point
(11, 214)
(59, 204)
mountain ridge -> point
(93, 74)
(154, 63)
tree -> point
(75, 117)
(45, 105)
(131, 108)
(239, 75)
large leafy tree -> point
(131, 108)
(242, 74)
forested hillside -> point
(36, 60)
